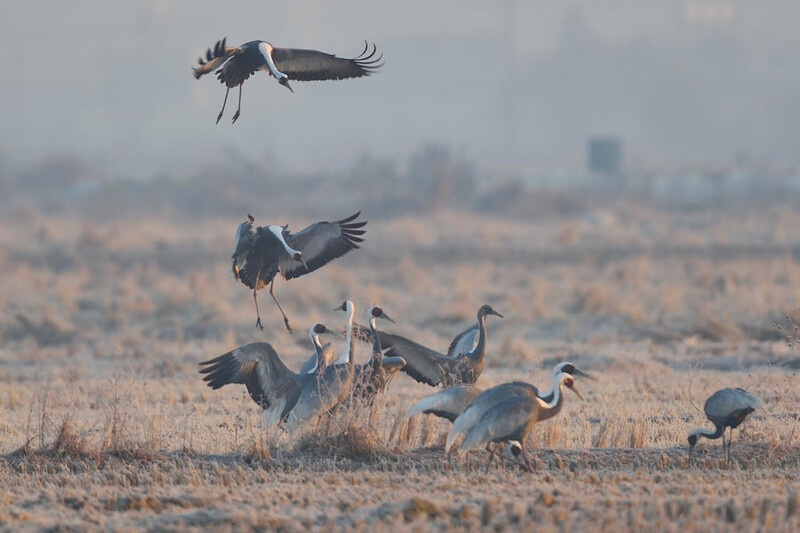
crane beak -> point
(387, 317)
(581, 373)
(495, 313)
(285, 82)
(578, 394)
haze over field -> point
(516, 85)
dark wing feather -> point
(422, 364)
(320, 244)
(215, 57)
(259, 368)
(313, 65)
(261, 259)
(245, 62)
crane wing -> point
(270, 383)
(215, 57)
(313, 65)
(320, 244)
(261, 252)
(447, 403)
(423, 364)
(507, 419)
(464, 341)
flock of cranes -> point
(496, 418)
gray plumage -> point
(726, 408)
(434, 368)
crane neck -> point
(479, 349)
(708, 433)
(346, 357)
(266, 51)
(376, 359)
(550, 408)
(278, 232)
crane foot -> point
(258, 324)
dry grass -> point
(104, 422)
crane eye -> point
(319, 328)
(377, 311)
(568, 382)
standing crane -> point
(235, 64)
(507, 413)
(372, 377)
(270, 383)
(452, 401)
(333, 386)
(725, 408)
(259, 255)
(310, 365)
(431, 367)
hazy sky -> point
(513, 85)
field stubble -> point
(104, 421)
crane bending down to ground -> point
(270, 383)
(452, 401)
(507, 413)
(431, 367)
(259, 255)
(725, 408)
(235, 64)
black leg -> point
(526, 463)
(239, 109)
(285, 319)
(492, 452)
(221, 111)
(258, 315)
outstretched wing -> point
(270, 383)
(464, 341)
(320, 244)
(313, 65)
(423, 364)
(215, 57)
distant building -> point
(605, 155)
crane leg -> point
(492, 452)
(258, 315)
(221, 111)
(526, 464)
(285, 319)
(730, 441)
(238, 109)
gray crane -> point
(331, 388)
(311, 364)
(373, 376)
(452, 401)
(506, 413)
(258, 255)
(725, 408)
(434, 368)
(270, 383)
(235, 64)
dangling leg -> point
(221, 111)
(258, 315)
(239, 109)
(285, 319)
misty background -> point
(96, 91)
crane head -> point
(319, 329)
(285, 82)
(487, 309)
(377, 312)
(569, 368)
(569, 382)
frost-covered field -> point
(105, 422)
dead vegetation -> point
(104, 420)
